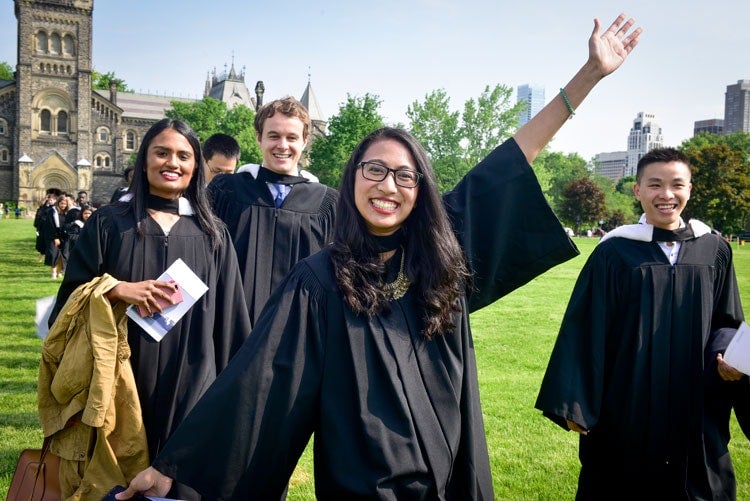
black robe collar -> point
(270, 176)
(388, 242)
(170, 206)
(678, 235)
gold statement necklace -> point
(397, 288)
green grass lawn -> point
(532, 459)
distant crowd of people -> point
(58, 223)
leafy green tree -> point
(211, 116)
(582, 203)
(488, 121)
(437, 129)
(6, 71)
(101, 81)
(616, 201)
(737, 141)
(560, 169)
(625, 185)
(543, 173)
(356, 118)
(239, 124)
(454, 145)
(721, 183)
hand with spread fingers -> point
(610, 49)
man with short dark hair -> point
(221, 152)
(83, 198)
(637, 369)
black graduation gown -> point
(41, 214)
(628, 365)
(269, 241)
(71, 233)
(394, 416)
(171, 375)
(49, 232)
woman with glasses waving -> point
(367, 345)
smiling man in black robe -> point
(275, 213)
(627, 371)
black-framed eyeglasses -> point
(378, 172)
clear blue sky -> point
(402, 50)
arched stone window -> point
(45, 121)
(41, 42)
(102, 135)
(130, 140)
(55, 44)
(62, 122)
(4, 156)
(69, 46)
(102, 161)
(54, 117)
(3, 127)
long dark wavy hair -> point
(435, 263)
(195, 192)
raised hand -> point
(607, 51)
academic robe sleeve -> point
(505, 225)
(721, 395)
(231, 320)
(255, 450)
(572, 387)
(728, 311)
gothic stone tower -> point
(53, 130)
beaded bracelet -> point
(567, 103)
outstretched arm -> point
(607, 51)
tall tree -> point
(488, 121)
(544, 173)
(582, 203)
(454, 145)
(210, 116)
(438, 130)
(356, 118)
(101, 81)
(6, 71)
(721, 183)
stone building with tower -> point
(56, 131)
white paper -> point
(192, 287)
(43, 309)
(737, 353)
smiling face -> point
(170, 162)
(282, 143)
(384, 205)
(663, 190)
